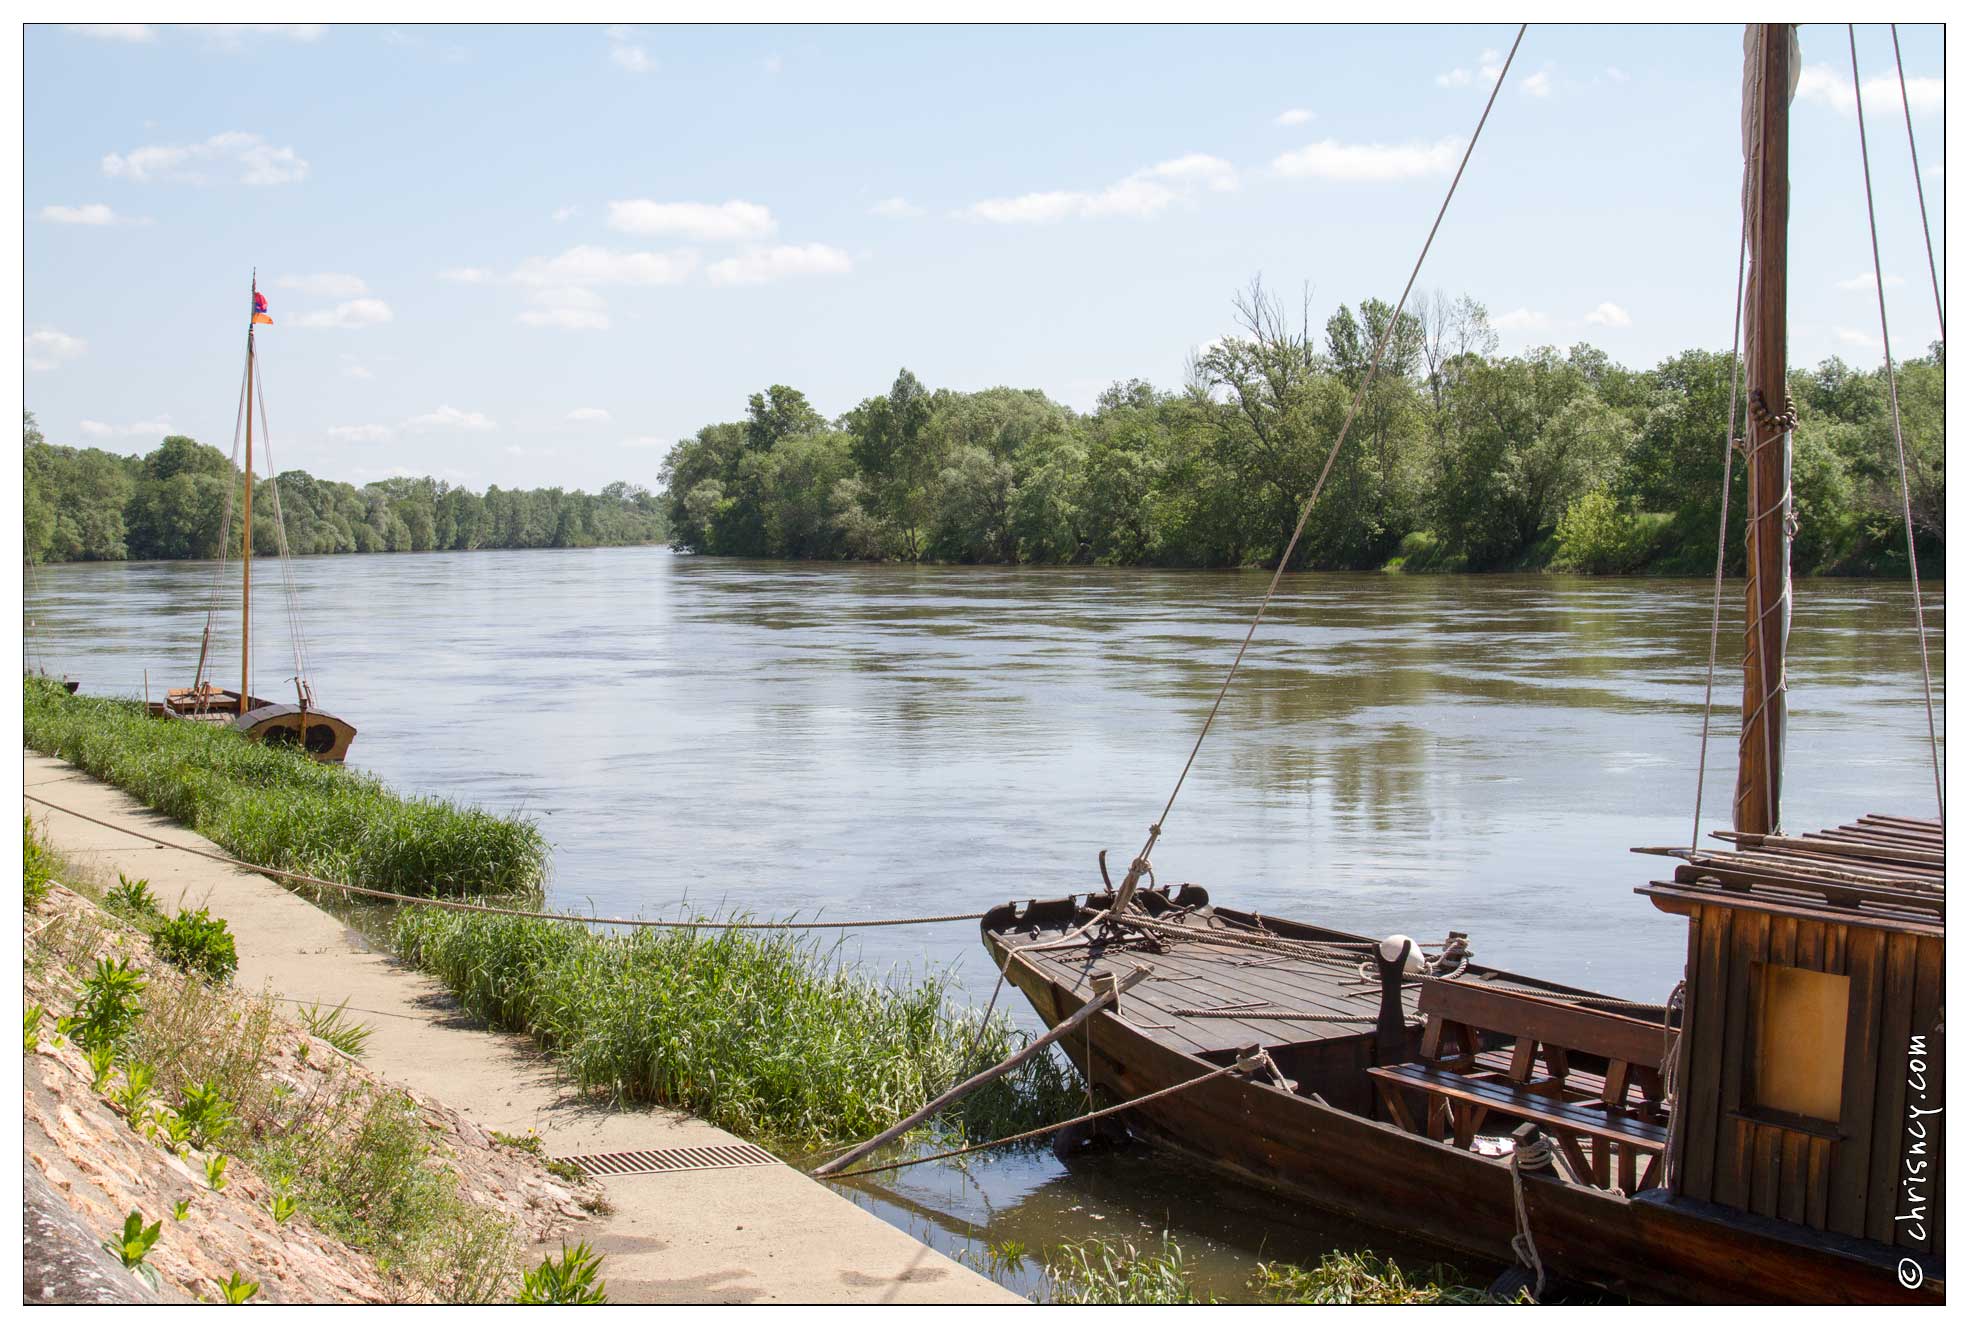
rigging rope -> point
(1900, 444)
(1920, 195)
(1306, 511)
(297, 642)
(465, 906)
(225, 540)
(1723, 517)
(1242, 1064)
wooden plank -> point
(1818, 1181)
(1708, 989)
(1671, 894)
(1550, 1022)
(1585, 1119)
(1698, 875)
(1766, 1154)
(1852, 1156)
(1890, 1097)
(1927, 1093)
(1793, 1189)
(1808, 950)
(1749, 935)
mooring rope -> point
(1894, 400)
(1305, 512)
(1920, 194)
(465, 906)
(1536, 1154)
(1242, 1064)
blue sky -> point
(537, 255)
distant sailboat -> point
(300, 723)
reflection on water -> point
(1400, 754)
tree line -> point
(85, 503)
(1460, 458)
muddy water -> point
(1400, 754)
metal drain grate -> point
(636, 1162)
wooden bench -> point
(1466, 1072)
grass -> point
(764, 1033)
(1117, 1273)
(279, 808)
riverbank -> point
(760, 1233)
(281, 808)
(252, 1157)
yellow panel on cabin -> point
(1801, 1040)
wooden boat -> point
(302, 723)
(1768, 1132)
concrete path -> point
(755, 1234)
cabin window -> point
(1801, 1040)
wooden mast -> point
(1770, 70)
(246, 549)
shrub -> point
(37, 864)
(132, 899)
(110, 1007)
(572, 1280)
(1595, 536)
(198, 943)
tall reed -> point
(280, 808)
(766, 1034)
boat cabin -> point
(1808, 1079)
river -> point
(1407, 754)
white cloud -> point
(588, 415)
(1864, 282)
(1617, 74)
(1520, 320)
(1609, 315)
(366, 313)
(1855, 337)
(773, 64)
(352, 369)
(329, 285)
(895, 207)
(591, 265)
(1536, 85)
(155, 428)
(730, 221)
(645, 441)
(625, 53)
(1487, 68)
(116, 32)
(360, 433)
(469, 276)
(88, 214)
(257, 161)
(1828, 86)
(562, 214)
(1933, 172)
(233, 36)
(1330, 159)
(570, 308)
(48, 349)
(756, 266)
(450, 417)
(1140, 194)
(1298, 115)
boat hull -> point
(1302, 1150)
(323, 736)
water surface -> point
(1408, 754)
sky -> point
(541, 255)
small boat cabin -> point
(1809, 1075)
